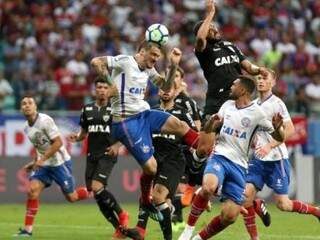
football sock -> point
(108, 206)
(301, 207)
(214, 227)
(145, 185)
(198, 205)
(165, 224)
(250, 222)
(82, 193)
(32, 206)
(178, 208)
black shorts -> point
(99, 168)
(170, 170)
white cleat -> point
(187, 233)
(197, 237)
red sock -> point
(301, 207)
(82, 193)
(214, 227)
(198, 205)
(191, 138)
(250, 222)
(32, 209)
(145, 185)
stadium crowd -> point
(46, 45)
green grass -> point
(84, 222)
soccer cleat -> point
(124, 218)
(132, 233)
(187, 233)
(262, 211)
(187, 196)
(23, 233)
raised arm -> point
(252, 68)
(100, 65)
(166, 82)
(201, 38)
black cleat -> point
(132, 233)
(154, 213)
(261, 210)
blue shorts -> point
(231, 176)
(61, 174)
(275, 174)
(136, 133)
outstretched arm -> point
(253, 69)
(201, 38)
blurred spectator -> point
(313, 93)
(6, 99)
(261, 44)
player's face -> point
(265, 83)
(214, 33)
(236, 90)
(168, 95)
(28, 106)
(151, 56)
(102, 90)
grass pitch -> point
(84, 222)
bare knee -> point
(207, 191)
(34, 191)
(150, 168)
(159, 195)
(229, 217)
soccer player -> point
(95, 122)
(52, 162)
(270, 164)
(133, 121)
(221, 62)
(226, 168)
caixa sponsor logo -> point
(234, 132)
(137, 90)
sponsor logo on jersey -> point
(226, 60)
(216, 49)
(98, 128)
(168, 136)
(234, 132)
(245, 122)
(137, 90)
(89, 108)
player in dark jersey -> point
(221, 62)
(171, 165)
(184, 100)
(95, 123)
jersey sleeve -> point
(282, 109)
(239, 53)
(117, 62)
(50, 128)
(83, 120)
(222, 109)
(193, 109)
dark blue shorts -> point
(136, 133)
(61, 174)
(232, 177)
(275, 174)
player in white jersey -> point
(226, 168)
(52, 162)
(270, 164)
(133, 121)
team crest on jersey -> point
(145, 148)
(245, 122)
(217, 167)
(105, 118)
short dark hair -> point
(248, 83)
(99, 79)
(27, 96)
(148, 45)
(196, 27)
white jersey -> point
(238, 129)
(131, 83)
(41, 134)
(271, 106)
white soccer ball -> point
(157, 33)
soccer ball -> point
(157, 33)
